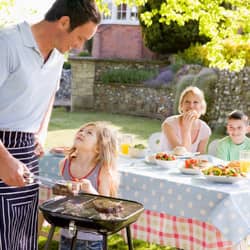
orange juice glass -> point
(124, 148)
(125, 143)
(245, 161)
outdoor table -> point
(180, 210)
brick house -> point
(119, 35)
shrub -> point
(84, 53)
(66, 65)
(129, 76)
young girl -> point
(187, 129)
(92, 161)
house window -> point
(121, 14)
(134, 14)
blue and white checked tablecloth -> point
(226, 206)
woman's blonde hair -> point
(195, 91)
(106, 152)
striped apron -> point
(18, 206)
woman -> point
(187, 129)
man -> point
(31, 63)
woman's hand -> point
(189, 117)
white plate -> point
(150, 160)
(186, 156)
(193, 171)
(168, 164)
(224, 179)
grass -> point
(63, 125)
(115, 242)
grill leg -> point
(104, 243)
(129, 238)
(73, 241)
(50, 236)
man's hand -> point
(12, 171)
(39, 150)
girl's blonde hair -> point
(195, 91)
(106, 152)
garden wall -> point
(230, 91)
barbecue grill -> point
(80, 212)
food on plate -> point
(139, 146)
(221, 170)
(137, 151)
(179, 150)
(196, 163)
(165, 157)
(234, 164)
(104, 205)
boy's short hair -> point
(79, 12)
(238, 115)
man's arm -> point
(42, 132)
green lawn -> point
(63, 125)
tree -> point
(172, 38)
(222, 21)
(5, 6)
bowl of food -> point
(194, 166)
(137, 151)
(166, 160)
(179, 151)
(223, 174)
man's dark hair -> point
(79, 12)
(238, 115)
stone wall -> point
(230, 91)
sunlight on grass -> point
(63, 126)
(115, 242)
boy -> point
(230, 146)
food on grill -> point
(107, 206)
(66, 188)
(179, 150)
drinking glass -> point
(245, 161)
(125, 141)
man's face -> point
(75, 39)
(237, 130)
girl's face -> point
(237, 130)
(191, 102)
(86, 139)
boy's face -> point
(237, 129)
